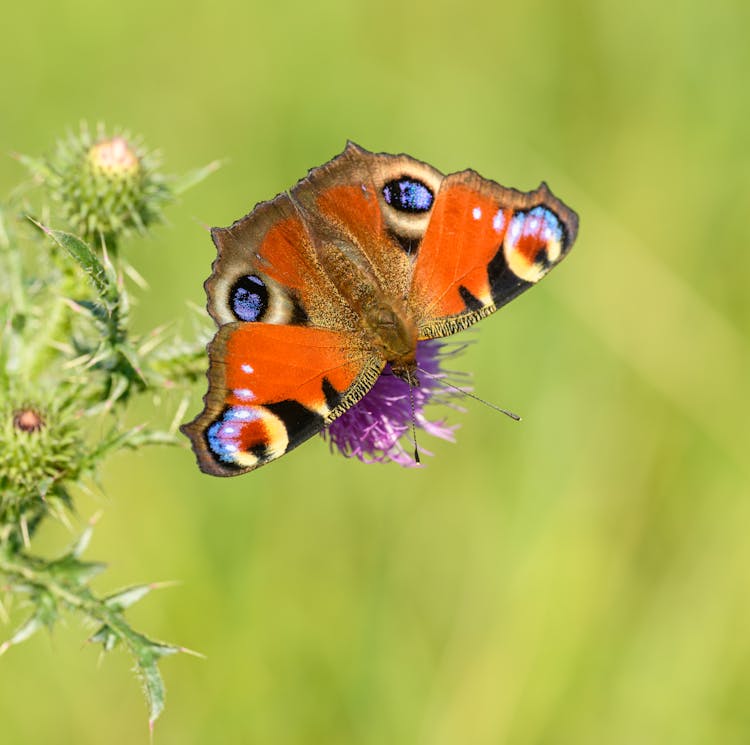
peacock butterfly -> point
(315, 291)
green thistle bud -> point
(41, 450)
(106, 186)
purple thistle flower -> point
(372, 430)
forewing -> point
(267, 271)
(485, 244)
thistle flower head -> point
(378, 428)
(107, 186)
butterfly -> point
(315, 291)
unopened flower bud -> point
(114, 157)
(28, 420)
(41, 447)
(107, 186)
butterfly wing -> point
(271, 388)
(287, 357)
(484, 245)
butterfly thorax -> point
(383, 318)
(394, 334)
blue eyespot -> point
(539, 223)
(224, 436)
(249, 298)
(408, 195)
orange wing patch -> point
(465, 231)
(355, 208)
(267, 363)
(284, 254)
(271, 388)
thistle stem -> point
(75, 597)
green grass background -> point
(580, 578)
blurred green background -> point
(583, 577)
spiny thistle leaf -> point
(153, 688)
(127, 597)
(74, 570)
(102, 280)
(181, 361)
(193, 178)
(36, 166)
(131, 438)
(82, 542)
(132, 365)
(24, 632)
(106, 637)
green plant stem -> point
(15, 280)
(75, 597)
(55, 327)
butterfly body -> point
(318, 289)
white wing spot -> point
(476, 213)
(247, 369)
(243, 414)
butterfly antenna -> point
(464, 392)
(413, 420)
